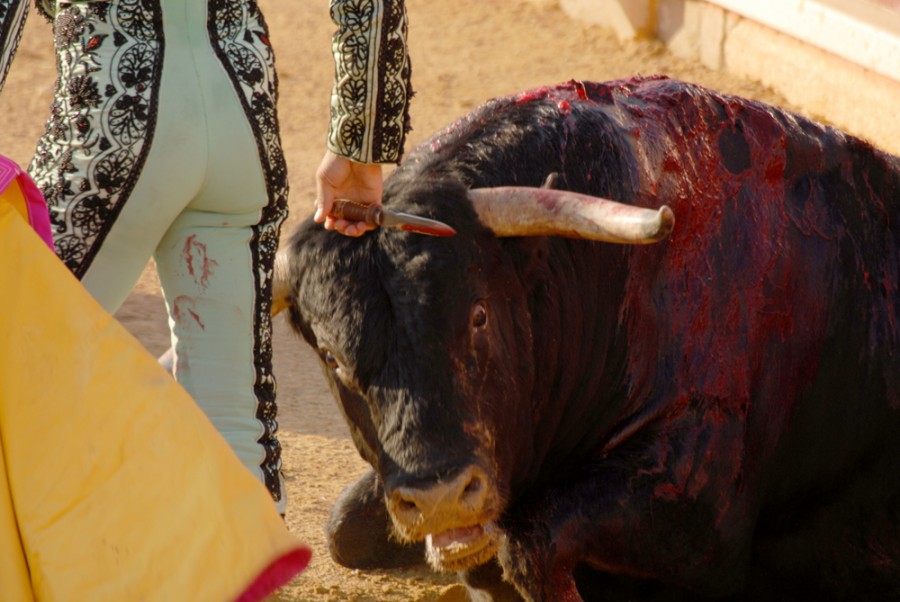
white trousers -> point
(197, 197)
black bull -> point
(714, 414)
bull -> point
(564, 403)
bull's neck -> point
(580, 351)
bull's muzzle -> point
(455, 518)
(442, 505)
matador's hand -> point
(339, 177)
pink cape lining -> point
(38, 215)
(277, 574)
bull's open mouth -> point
(461, 548)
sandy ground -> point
(463, 52)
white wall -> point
(839, 59)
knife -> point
(376, 215)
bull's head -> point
(427, 345)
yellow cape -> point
(113, 484)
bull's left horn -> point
(524, 211)
(281, 288)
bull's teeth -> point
(456, 555)
(458, 536)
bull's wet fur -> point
(716, 415)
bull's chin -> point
(461, 549)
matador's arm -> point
(370, 99)
(12, 20)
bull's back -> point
(773, 308)
(779, 283)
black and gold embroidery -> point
(370, 102)
(109, 59)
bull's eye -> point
(479, 315)
(330, 360)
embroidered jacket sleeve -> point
(370, 99)
(12, 20)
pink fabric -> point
(277, 574)
(8, 172)
(38, 215)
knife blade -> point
(376, 215)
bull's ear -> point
(281, 286)
(530, 258)
(523, 211)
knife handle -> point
(357, 212)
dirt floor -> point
(464, 52)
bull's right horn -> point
(525, 211)
(281, 288)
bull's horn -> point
(281, 288)
(524, 211)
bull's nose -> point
(432, 507)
